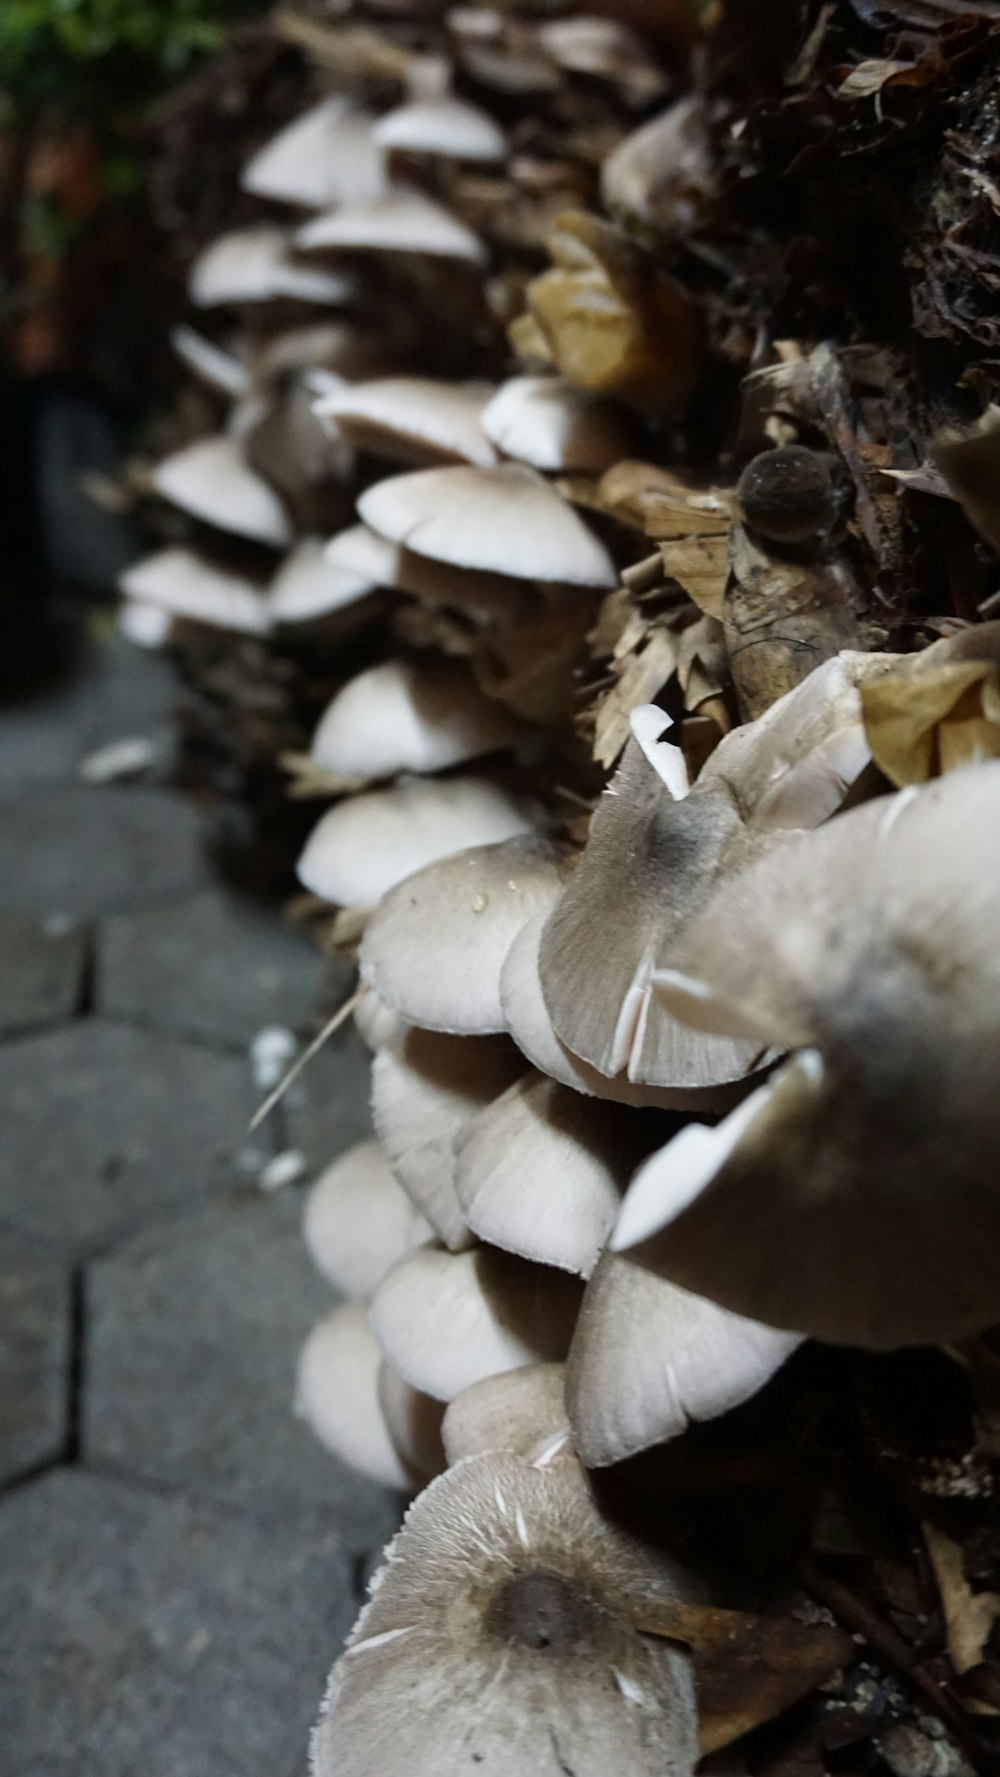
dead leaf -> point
(936, 710)
(969, 1616)
(970, 464)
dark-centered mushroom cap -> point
(855, 1196)
(499, 1638)
(436, 945)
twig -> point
(304, 1059)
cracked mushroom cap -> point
(541, 1171)
(523, 1411)
(499, 1637)
(254, 265)
(435, 947)
(336, 1394)
(446, 1320)
(424, 1088)
(179, 582)
(363, 847)
(398, 221)
(855, 1196)
(506, 520)
(327, 156)
(409, 716)
(212, 481)
(413, 419)
(649, 1359)
(310, 588)
(358, 1221)
(442, 126)
(547, 423)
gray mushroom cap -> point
(498, 1638)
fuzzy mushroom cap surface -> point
(856, 1196)
(409, 716)
(358, 1221)
(523, 1411)
(649, 1359)
(505, 520)
(436, 945)
(498, 1638)
(363, 847)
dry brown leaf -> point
(921, 725)
(969, 1616)
(970, 464)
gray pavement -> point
(178, 1560)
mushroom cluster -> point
(667, 844)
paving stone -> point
(34, 1355)
(41, 970)
(193, 1335)
(105, 1128)
(157, 1638)
(84, 850)
(327, 1109)
(115, 691)
(211, 966)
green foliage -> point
(86, 54)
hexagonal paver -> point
(115, 690)
(211, 966)
(193, 1334)
(105, 1128)
(156, 1638)
(86, 850)
(41, 969)
(34, 1355)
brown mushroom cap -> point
(499, 1638)
(854, 1197)
(649, 1359)
(436, 945)
(519, 1410)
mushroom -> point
(337, 1395)
(212, 481)
(327, 156)
(446, 1320)
(506, 520)
(519, 1410)
(507, 1597)
(547, 423)
(409, 716)
(423, 1089)
(254, 265)
(376, 1023)
(145, 625)
(361, 848)
(649, 1359)
(413, 419)
(360, 552)
(414, 1424)
(854, 1197)
(310, 588)
(661, 175)
(180, 584)
(401, 220)
(223, 371)
(542, 1170)
(358, 1221)
(436, 944)
(443, 126)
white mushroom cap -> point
(445, 126)
(361, 848)
(436, 945)
(519, 1410)
(542, 1170)
(218, 368)
(358, 1221)
(376, 1023)
(253, 265)
(423, 1089)
(180, 583)
(412, 419)
(211, 481)
(649, 1359)
(337, 1395)
(589, 45)
(506, 520)
(499, 1636)
(546, 422)
(414, 1423)
(409, 716)
(400, 221)
(446, 1320)
(360, 552)
(309, 586)
(327, 156)
(855, 1196)
(145, 625)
